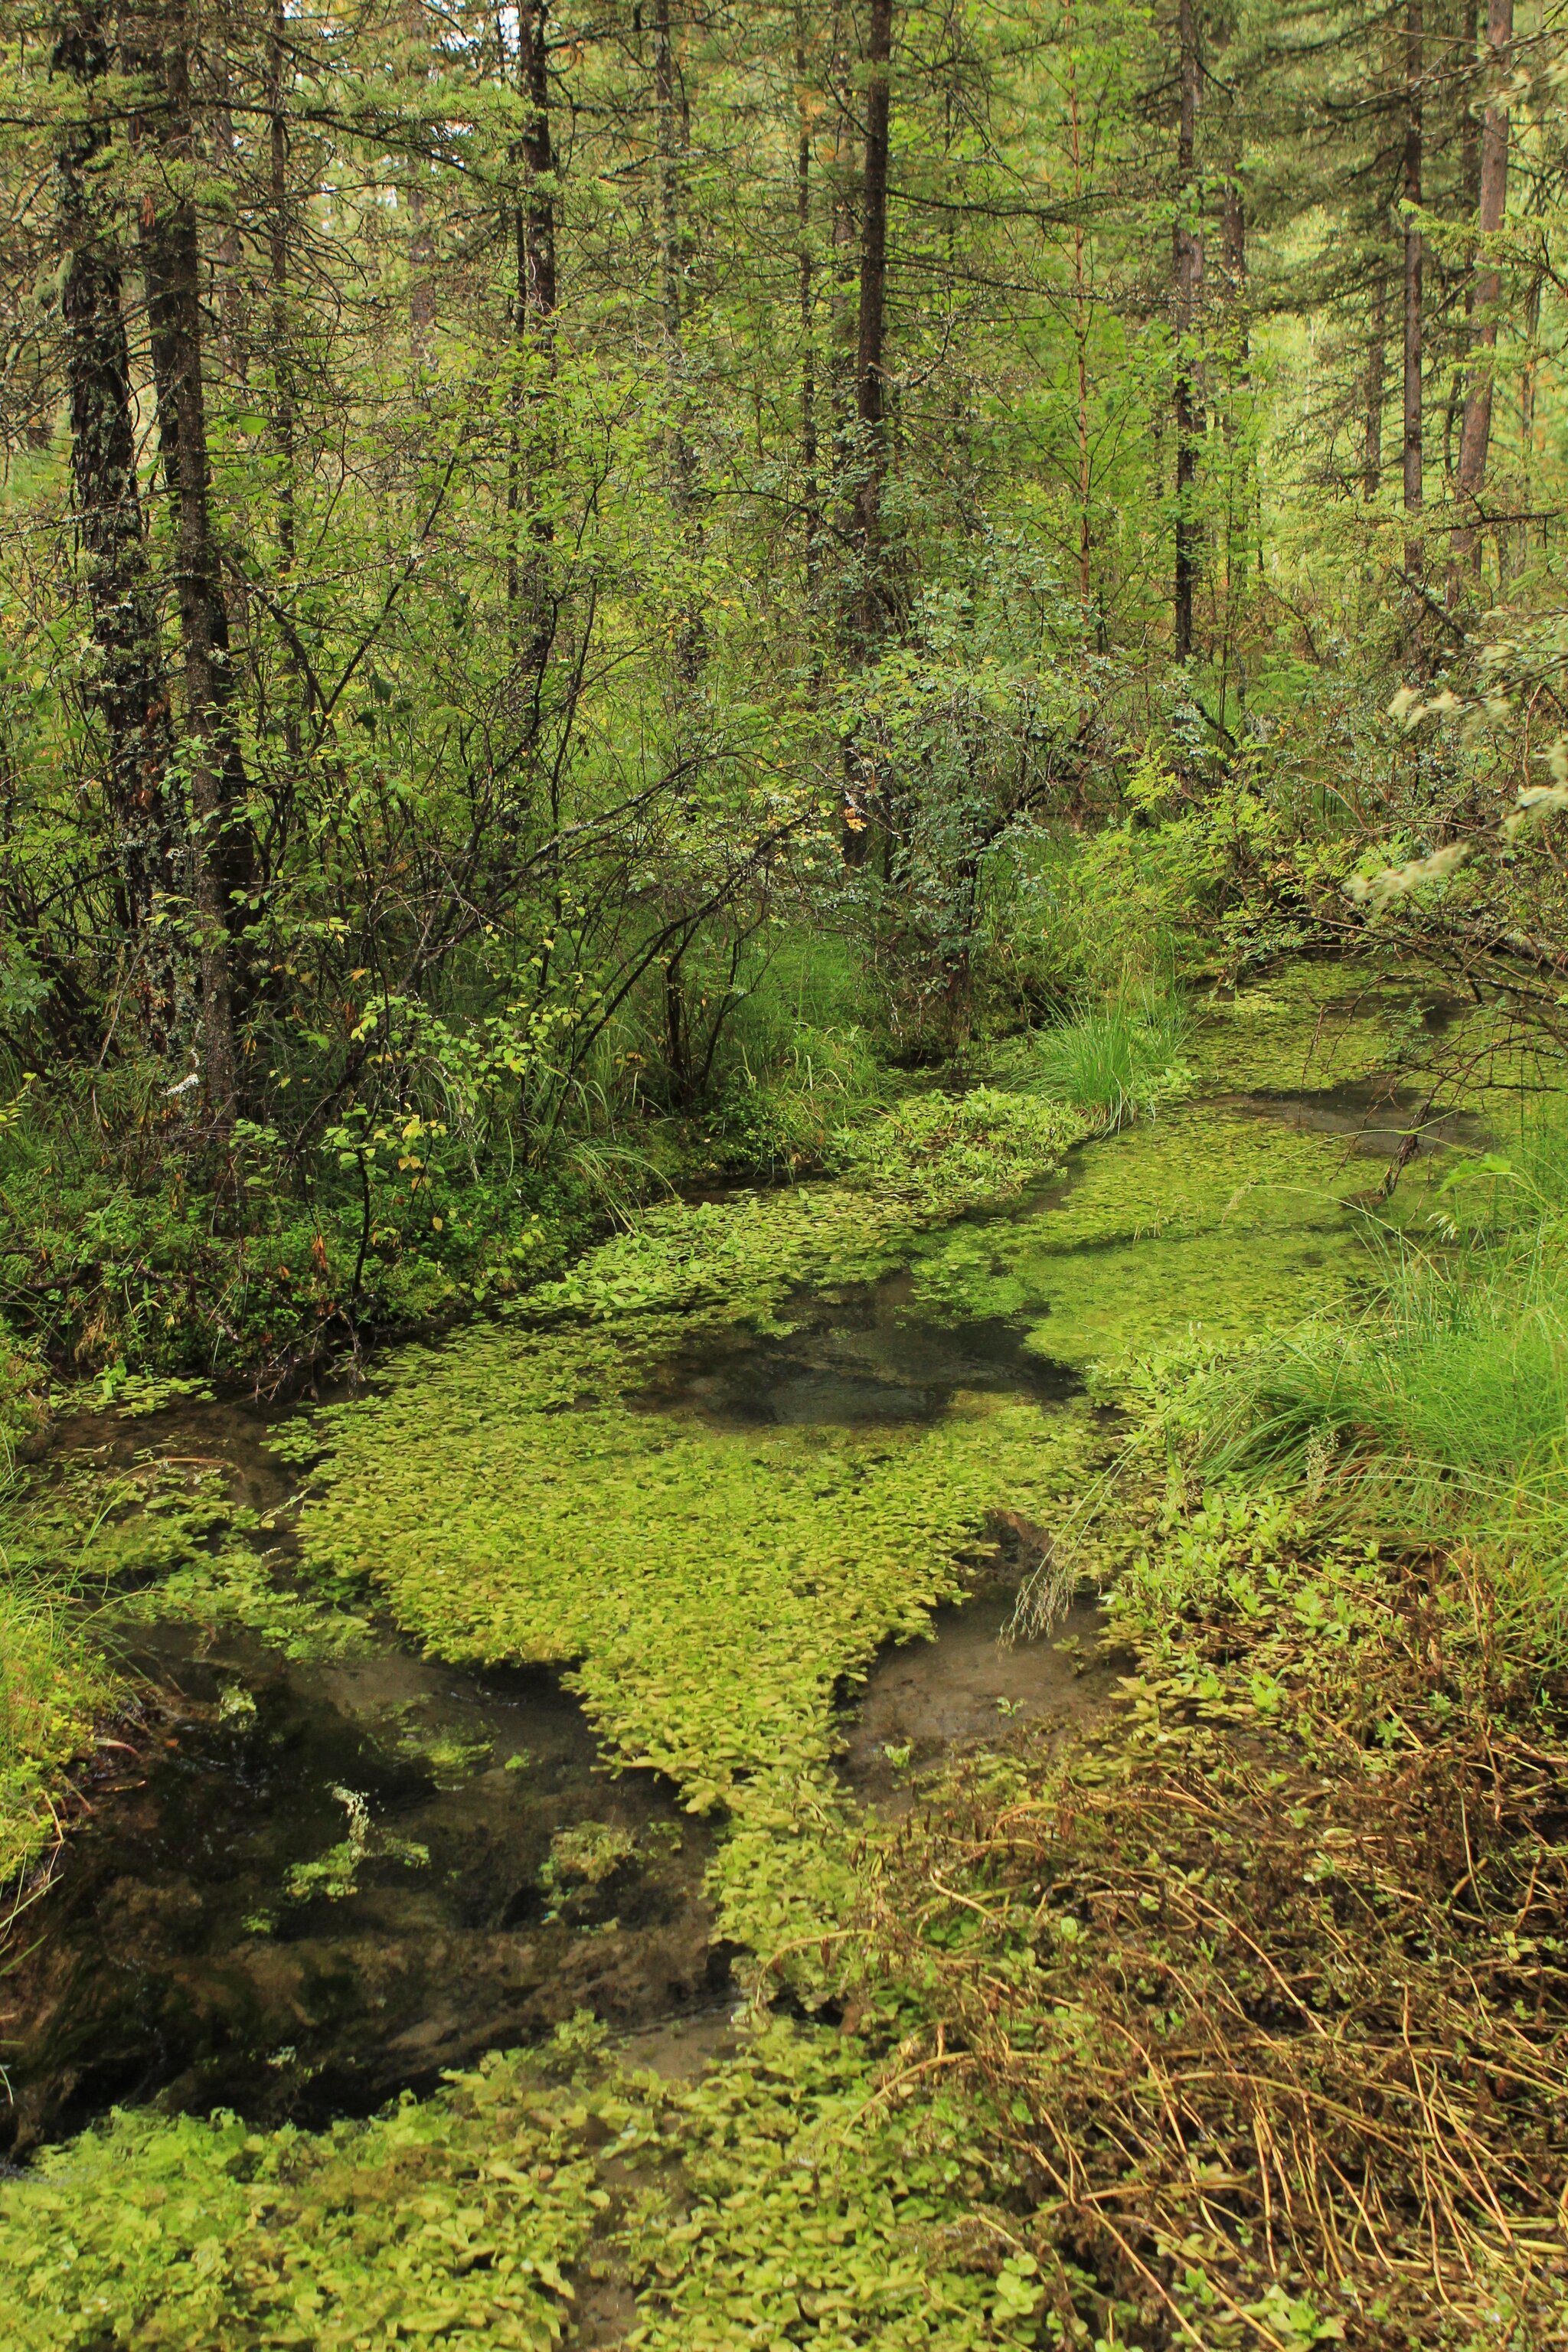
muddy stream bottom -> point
(322, 1885)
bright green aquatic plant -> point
(712, 1587)
(776, 2201)
(1316, 1026)
(456, 2219)
(334, 1876)
(810, 2210)
(1221, 1220)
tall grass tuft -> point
(52, 1686)
(1442, 1410)
(1118, 1060)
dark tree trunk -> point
(1475, 438)
(870, 353)
(1377, 369)
(221, 858)
(1414, 66)
(1186, 261)
(811, 492)
(691, 637)
(128, 680)
(534, 323)
(536, 224)
(284, 408)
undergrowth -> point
(1241, 2024)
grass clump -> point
(1120, 1059)
(53, 1686)
(1443, 1405)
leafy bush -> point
(117, 1248)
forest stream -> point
(304, 1884)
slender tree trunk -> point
(1475, 438)
(221, 863)
(284, 406)
(1414, 66)
(691, 637)
(1376, 374)
(1237, 345)
(533, 326)
(1186, 261)
(1080, 308)
(232, 305)
(421, 248)
(811, 487)
(871, 351)
(128, 681)
(1531, 326)
(536, 224)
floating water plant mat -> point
(515, 1500)
(513, 1494)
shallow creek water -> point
(307, 1885)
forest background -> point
(582, 587)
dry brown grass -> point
(1270, 2018)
